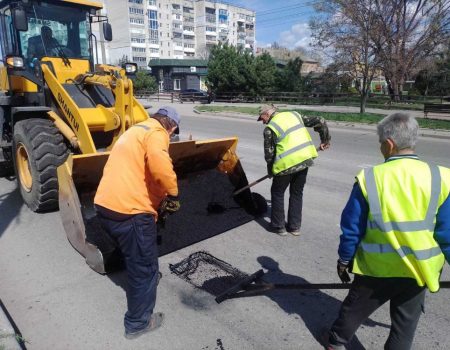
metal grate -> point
(207, 273)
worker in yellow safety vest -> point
(395, 237)
(289, 152)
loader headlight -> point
(15, 62)
(130, 68)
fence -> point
(343, 99)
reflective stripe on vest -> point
(401, 248)
(405, 226)
(293, 141)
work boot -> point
(293, 231)
(325, 342)
(278, 230)
(156, 321)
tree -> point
(264, 70)
(232, 70)
(223, 70)
(408, 32)
(144, 81)
(288, 78)
(344, 29)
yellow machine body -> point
(82, 109)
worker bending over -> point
(138, 180)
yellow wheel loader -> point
(60, 115)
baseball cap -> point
(170, 112)
(264, 109)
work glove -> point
(342, 271)
(169, 205)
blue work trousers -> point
(136, 237)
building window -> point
(188, 9)
(152, 14)
(177, 35)
(136, 1)
(137, 21)
(210, 38)
(152, 50)
(153, 42)
(139, 59)
(135, 11)
(189, 37)
(189, 28)
(177, 84)
(138, 40)
(210, 18)
(153, 34)
(189, 46)
(210, 29)
(138, 49)
(152, 2)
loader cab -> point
(52, 31)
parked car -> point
(195, 95)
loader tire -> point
(39, 148)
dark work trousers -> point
(366, 295)
(296, 182)
(136, 238)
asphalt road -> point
(58, 302)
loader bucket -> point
(208, 173)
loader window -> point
(55, 31)
(7, 36)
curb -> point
(10, 336)
(439, 134)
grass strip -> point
(365, 118)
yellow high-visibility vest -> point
(293, 141)
(404, 196)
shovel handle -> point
(250, 185)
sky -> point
(283, 21)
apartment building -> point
(175, 29)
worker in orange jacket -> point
(138, 181)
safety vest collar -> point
(402, 156)
(404, 226)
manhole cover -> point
(208, 273)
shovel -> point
(235, 193)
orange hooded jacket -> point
(139, 172)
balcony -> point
(210, 19)
(250, 33)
